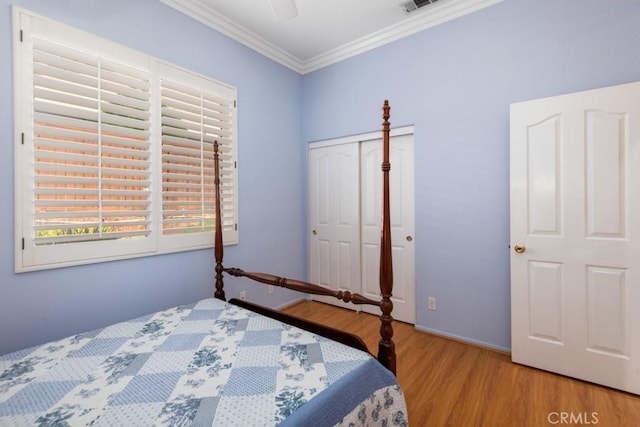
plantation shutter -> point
(192, 120)
(91, 127)
(114, 150)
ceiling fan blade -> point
(284, 10)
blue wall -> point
(41, 306)
(455, 82)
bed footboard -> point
(316, 328)
(300, 286)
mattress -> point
(209, 363)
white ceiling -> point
(325, 31)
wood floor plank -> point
(449, 383)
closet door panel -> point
(401, 181)
(335, 218)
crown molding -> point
(437, 14)
(424, 18)
(200, 11)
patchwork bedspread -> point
(211, 363)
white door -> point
(575, 216)
(345, 204)
(401, 182)
(334, 214)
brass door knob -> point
(314, 232)
(409, 238)
(519, 248)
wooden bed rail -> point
(300, 286)
(386, 346)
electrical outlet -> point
(431, 303)
(243, 295)
(270, 289)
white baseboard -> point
(464, 339)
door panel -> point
(605, 175)
(575, 207)
(545, 301)
(401, 181)
(607, 311)
(334, 218)
(544, 207)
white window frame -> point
(28, 255)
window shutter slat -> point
(139, 137)
(59, 123)
(133, 103)
(45, 83)
(62, 136)
(65, 110)
(110, 117)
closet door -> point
(334, 216)
(345, 205)
(401, 192)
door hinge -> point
(21, 36)
(235, 104)
(236, 226)
(22, 138)
(235, 164)
(23, 243)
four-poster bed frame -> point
(386, 346)
(215, 363)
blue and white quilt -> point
(211, 363)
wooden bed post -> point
(218, 250)
(386, 347)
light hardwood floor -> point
(449, 383)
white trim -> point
(439, 13)
(436, 15)
(462, 339)
(292, 303)
(203, 13)
(19, 100)
(405, 130)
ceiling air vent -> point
(414, 5)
